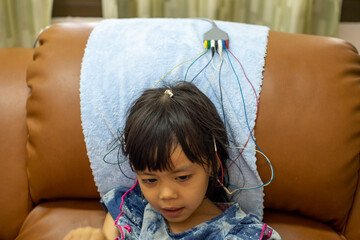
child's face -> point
(178, 194)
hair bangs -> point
(189, 134)
(151, 142)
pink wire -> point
(257, 104)
(227, 169)
(122, 202)
(222, 169)
(264, 229)
(257, 100)
(262, 232)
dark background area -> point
(77, 8)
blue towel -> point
(123, 57)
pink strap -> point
(265, 234)
(127, 227)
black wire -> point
(241, 172)
(202, 69)
(221, 95)
(119, 165)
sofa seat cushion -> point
(296, 227)
(54, 219)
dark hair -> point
(157, 122)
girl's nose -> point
(167, 192)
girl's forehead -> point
(179, 163)
(178, 157)
(178, 160)
(184, 168)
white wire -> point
(214, 74)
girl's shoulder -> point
(247, 226)
(233, 223)
(132, 205)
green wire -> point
(194, 62)
(117, 163)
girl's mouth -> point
(172, 212)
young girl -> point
(176, 144)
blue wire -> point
(202, 69)
(252, 137)
(193, 63)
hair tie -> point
(169, 92)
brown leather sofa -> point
(308, 124)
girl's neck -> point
(206, 211)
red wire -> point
(222, 169)
(257, 100)
(257, 103)
(227, 169)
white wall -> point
(350, 32)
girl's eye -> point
(183, 178)
(149, 181)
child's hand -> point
(87, 233)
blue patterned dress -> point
(140, 220)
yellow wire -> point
(177, 66)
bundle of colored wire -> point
(199, 71)
(197, 57)
(250, 188)
(249, 128)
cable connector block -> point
(216, 34)
(216, 37)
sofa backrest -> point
(58, 166)
(308, 123)
(15, 202)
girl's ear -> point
(213, 169)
